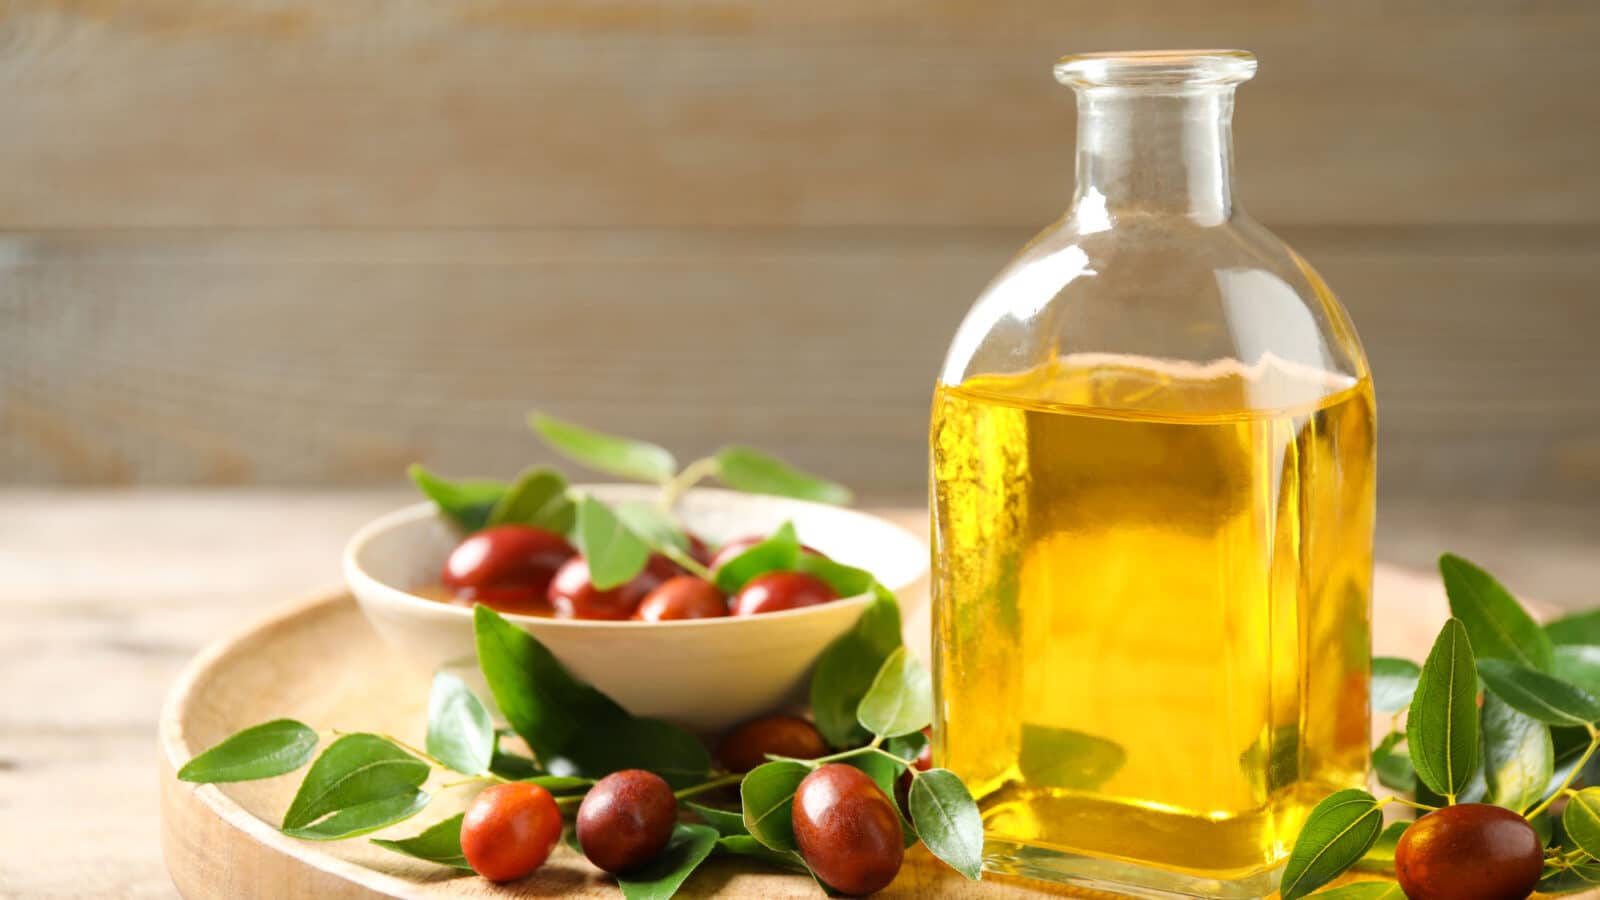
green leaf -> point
(1578, 628)
(767, 794)
(747, 846)
(538, 498)
(439, 844)
(619, 456)
(460, 734)
(726, 823)
(744, 469)
(1582, 877)
(613, 744)
(548, 708)
(260, 751)
(1380, 858)
(1548, 699)
(847, 668)
(660, 878)
(900, 700)
(1394, 769)
(1582, 820)
(1393, 683)
(1518, 757)
(615, 554)
(363, 818)
(1442, 729)
(1365, 890)
(465, 503)
(907, 746)
(1063, 758)
(1339, 831)
(778, 553)
(846, 581)
(1579, 665)
(948, 820)
(356, 771)
(655, 527)
(1498, 626)
(513, 766)
(557, 784)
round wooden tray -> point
(317, 660)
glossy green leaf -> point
(539, 498)
(726, 823)
(513, 766)
(849, 665)
(1498, 626)
(660, 878)
(619, 456)
(900, 700)
(1365, 890)
(260, 751)
(1393, 683)
(1518, 757)
(548, 708)
(948, 820)
(1582, 820)
(744, 469)
(1442, 728)
(363, 818)
(1380, 857)
(1578, 628)
(467, 503)
(907, 746)
(767, 794)
(460, 734)
(439, 844)
(1546, 698)
(614, 553)
(746, 846)
(1579, 665)
(1393, 767)
(656, 527)
(780, 552)
(847, 581)
(560, 784)
(363, 771)
(1340, 830)
(1581, 877)
(611, 745)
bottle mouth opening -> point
(1156, 68)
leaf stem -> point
(1594, 741)
(685, 560)
(1411, 803)
(713, 784)
(487, 776)
(691, 475)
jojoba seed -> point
(847, 830)
(573, 595)
(507, 567)
(1471, 851)
(625, 819)
(747, 746)
(509, 830)
(777, 591)
(682, 597)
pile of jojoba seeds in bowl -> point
(528, 570)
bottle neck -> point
(1144, 152)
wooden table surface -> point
(106, 594)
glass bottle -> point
(1153, 493)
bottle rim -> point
(1156, 68)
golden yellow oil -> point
(1152, 604)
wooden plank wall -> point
(285, 241)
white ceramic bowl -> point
(705, 674)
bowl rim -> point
(362, 582)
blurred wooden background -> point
(296, 242)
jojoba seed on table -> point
(572, 593)
(682, 597)
(507, 567)
(1472, 851)
(747, 746)
(777, 591)
(847, 830)
(625, 820)
(509, 830)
